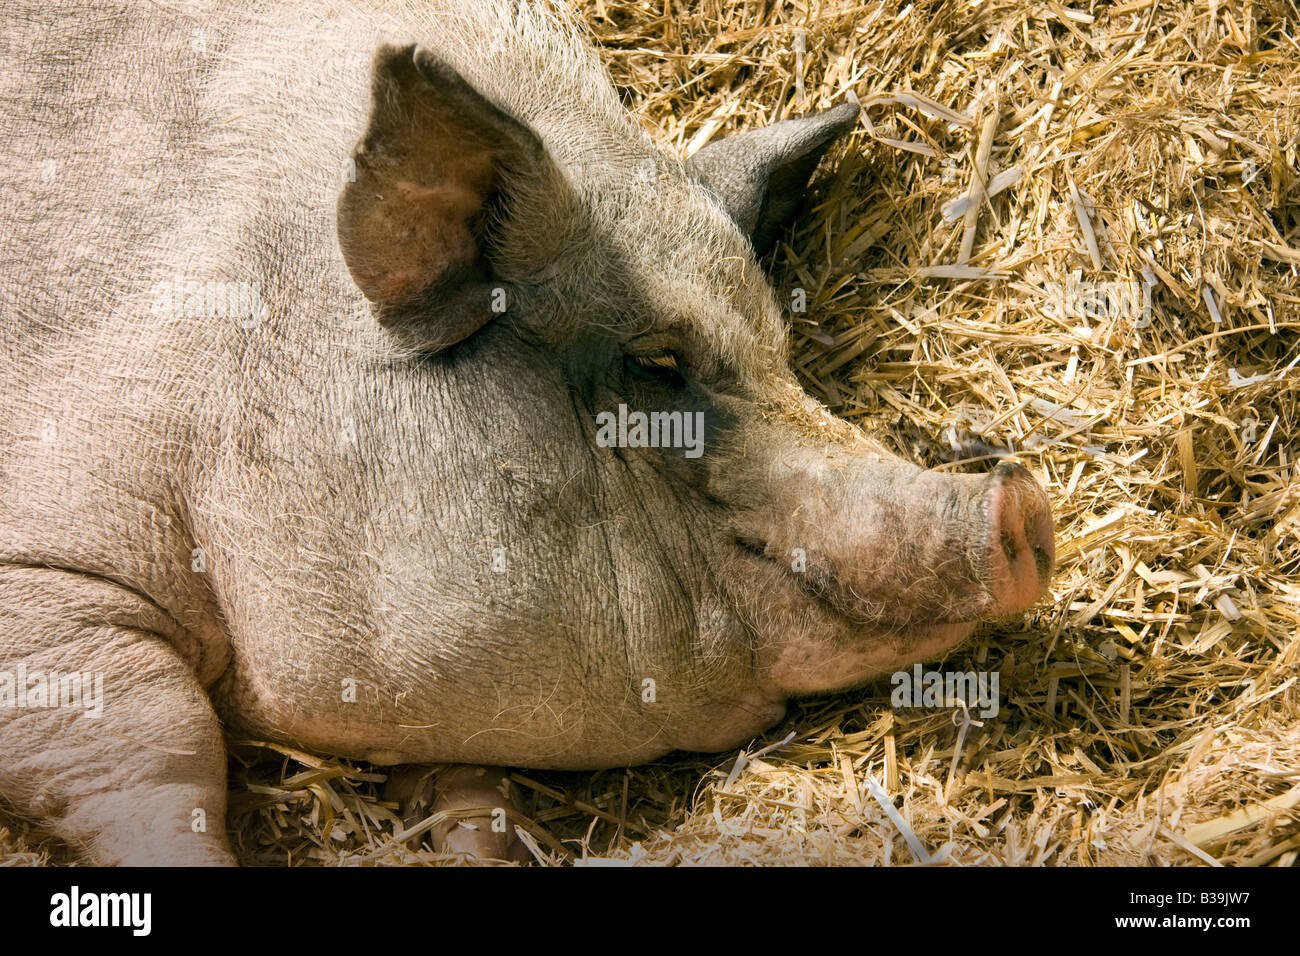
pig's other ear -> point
(759, 176)
(412, 222)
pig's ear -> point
(412, 221)
(759, 176)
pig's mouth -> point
(820, 586)
(816, 634)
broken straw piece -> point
(979, 180)
(922, 104)
(784, 741)
(1058, 413)
(1236, 381)
(1208, 295)
(913, 841)
(744, 759)
(954, 271)
(1085, 225)
(954, 209)
(1228, 607)
(1201, 834)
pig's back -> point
(94, 114)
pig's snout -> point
(889, 545)
(1020, 547)
(895, 564)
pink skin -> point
(1021, 546)
(469, 795)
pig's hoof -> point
(477, 802)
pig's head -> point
(778, 534)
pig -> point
(372, 383)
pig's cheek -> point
(801, 647)
(817, 658)
(805, 649)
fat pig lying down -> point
(314, 324)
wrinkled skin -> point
(373, 518)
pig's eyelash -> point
(662, 365)
(663, 360)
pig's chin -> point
(802, 660)
(808, 642)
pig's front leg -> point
(131, 767)
(486, 834)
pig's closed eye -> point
(659, 366)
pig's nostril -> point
(1020, 546)
(1042, 562)
(1041, 535)
(1009, 546)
